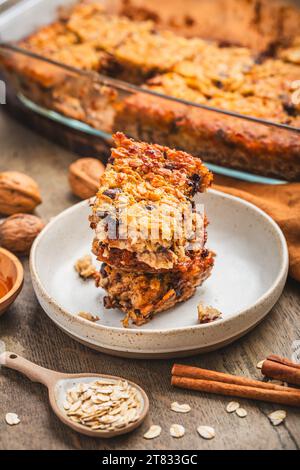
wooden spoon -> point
(58, 384)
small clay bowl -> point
(11, 276)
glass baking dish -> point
(96, 105)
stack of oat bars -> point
(149, 233)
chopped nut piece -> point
(241, 412)
(85, 268)
(232, 406)
(176, 430)
(89, 316)
(277, 417)
(207, 314)
(12, 419)
(153, 432)
(207, 432)
(180, 408)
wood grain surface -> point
(26, 329)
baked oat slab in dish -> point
(142, 295)
(145, 199)
(225, 77)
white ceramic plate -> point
(248, 278)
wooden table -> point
(26, 330)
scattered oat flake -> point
(12, 419)
(176, 430)
(89, 316)
(277, 417)
(260, 364)
(208, 314)
(153, 432)
(184, 408)
(232, 406)
(241, 412)
(278, 382)
(207, 432)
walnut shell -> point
(18, 232)
(18, 193)
(84, 176)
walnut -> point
(18, 232)
(18, 193)
(84, 177)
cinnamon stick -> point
(283, 360)
(279, 368)
(233, 390)
(198, 373)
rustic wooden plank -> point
(26, 330)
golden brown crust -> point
(263, 92)
(217, 138)
(161, 165)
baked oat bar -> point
(144, 202)
(57, 43)
(213, 69)
(92, 39)
(141, 56)
(142, 295)
(92, 24)
(137, 50)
